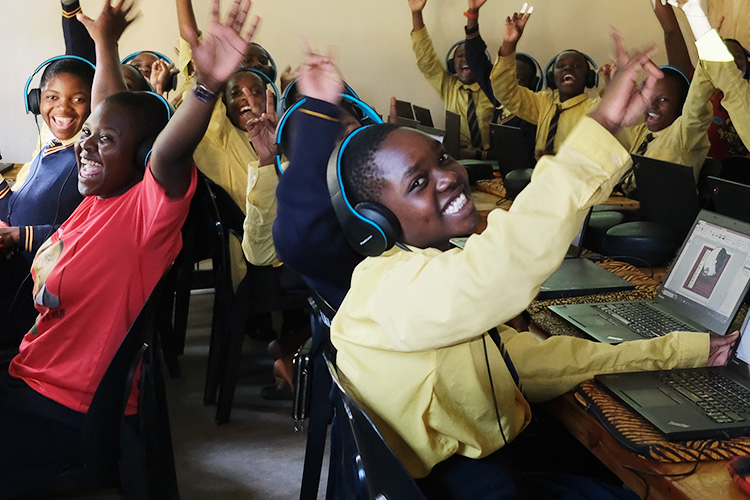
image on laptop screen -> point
(711, 271)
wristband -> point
(471, 15)
(202, 93)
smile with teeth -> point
(569, 79)
(62, 122)
(89, 168)
(457, 204)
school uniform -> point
(260, 213)
(455, 95)
(538, 107)
(411, 333)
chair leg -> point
(233, 356)
(321, 413)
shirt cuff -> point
(594, 141)
(712, 48)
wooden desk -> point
(710, 481)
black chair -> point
(112, 453)
(363, 466)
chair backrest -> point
(364, 466)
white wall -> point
(372, 37)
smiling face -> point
(666, 105)
(463, 72)
(65, 104)
(240, 107)
(105, 152)
(142, 62)
(427, 190)
(569, 74)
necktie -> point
(644, 145)
(471, 115)
(54, 145)
(549, 145)
(495, 336)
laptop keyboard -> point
(644, 320)
(720, 398)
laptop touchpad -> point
(647, 398)
(591, 320)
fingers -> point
(270, 102)
(392, 114)
(215, 6)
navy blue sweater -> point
(306, 232)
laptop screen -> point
(712, 270)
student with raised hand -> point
(414, 335)
(720, 67)
(460, 92)
(93, 276)
(555, 112)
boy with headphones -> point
(93, 276)
(449, 399)
(720, 66)
(555, 111)
(455, 84)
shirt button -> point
(616, 160)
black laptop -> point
(423, 116)
(509, 147)
(698, 403)
(404, 110)
(702, 290)
(579, 276)
(730, 198)
(452, 141)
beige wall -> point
(372, 37)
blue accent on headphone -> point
(270, 59)
(267, 80)
(293, 85)
(366, 109)
(143, 151)
(538, 81)
(172, 80)
(26, 97)
(592, 77)
(679, 72)
(449, 56)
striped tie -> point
(495, 336)
(549, 146)
(644, 145)
(471, 115)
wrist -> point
(204, 93)
(472, 13)
(610, 125)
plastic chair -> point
(363, 466)
(145, 471)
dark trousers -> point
(37, 436)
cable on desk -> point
(638, 472)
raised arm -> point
(514, 26)
(106, 31)
(476, 49)
(677, 51)
(186, 18)
(216, 57)
(77, 39)
(417, 21)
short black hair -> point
(138, 79)
(75, 67)
(682, 82)
(149, 111)
(361, 176)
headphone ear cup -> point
(143, 151)
(550, 79)
(373, 242)
(591, 79)
(451, 66)
(34, 101)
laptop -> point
(730, 198)
(698, 403)
(404, 110)
(667, 193)
(452, 141)
(509, 146)
(578, 276)
(701, 292)
(423, 116)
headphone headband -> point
(539, 75)
(267, 81)
(679, 72)
(449, 56)
(592, 77)
(172, 81)
(26, 90)
(270, 59)
(143, 151)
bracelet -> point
(202, 93)
(471, 15)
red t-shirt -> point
(91, 279)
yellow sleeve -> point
(697, 112)
(260, 205)
(429, 63)
(516, 99)
(548, 368)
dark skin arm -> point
(514, 26)
(186, 18)
(417, 21)
(677, 51)
(474, 6)
(216, 57)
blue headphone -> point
(675, 70)
(370, 228)
(293, 86)
(266, 79)
(172, 84)
(369, 116)
(143, 151)
(591, 80)
(538, 81)
(274, 73)
(32, 97)
(449, 64)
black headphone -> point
(370, 228)
(32, 98)
(143, 150)
(274, 73)
(592, 78)
(538, 80)
(292, 87)
(367, 116)
(266, 79)
(172, 83)
(450, 65)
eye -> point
(105, 138)
(444, 157)
(417, 183)
(85, 132)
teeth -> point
(89, 168)
(62, 122)
(456, 204)
(244, 109)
